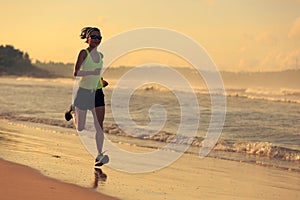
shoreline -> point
(208, 178)
(118, 136)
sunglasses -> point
(96, 37)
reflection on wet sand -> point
(100, 176)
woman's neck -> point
(91, 48)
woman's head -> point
(92, 35)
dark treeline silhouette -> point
(17, 63)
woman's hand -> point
(104, 83)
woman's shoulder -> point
(83, 53)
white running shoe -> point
(101, 159)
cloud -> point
(294, 32)
(280, 60)
(290, 59)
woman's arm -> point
(77, 72)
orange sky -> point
(247, 35)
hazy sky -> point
(247, 35)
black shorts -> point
(89, 99)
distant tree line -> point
(58, 69)
(17, 63)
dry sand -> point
(20, 182)
(58, 153)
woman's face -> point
(94, 39)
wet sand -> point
(59, 154)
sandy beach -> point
(20, 182)
(196, 100)
(58, 153)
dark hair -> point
(86, 31)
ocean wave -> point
(268, 94)
(260, 149)
(274, 99)
(288, 95)
(273, 92)
(154, 87)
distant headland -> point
(14, 62)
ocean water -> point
(262, 126)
